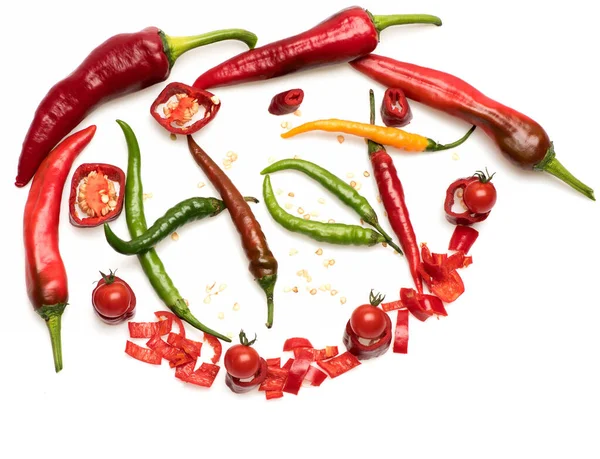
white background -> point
(510, 373)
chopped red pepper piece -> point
(275, 379)
(94, 198)
(339, 365)
(149, 329)
(191, 347)
(288, 364)
(305, 353)
(170, 316)
(395, 110)
(292, 343)
(331, 351)
(271, 394)
(401, 332)
(275, 362)
(203, 376)
(174, 355)
(142, 353)
(466, 217)
(296, 375)
(392, 306)
(239, 387)
(420, 309)
(440, 275)
(177, 104)
(432, 303)
(449, 289)
(286, 102)
(315, 376)
(463, 238)
(216, 346)
(184, 371)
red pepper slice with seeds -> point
(143, 354)
(292, 343)
(463, 238)
(286, 102)
(395, 110)
(339, 365)
(216, 346)
(461, 218)
(401, 333)
(315, 376)
(240, 386)
(374, 348)
(94, 198)
(296, 375)
(178, 105)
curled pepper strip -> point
(286, 102)
(293, 343)
(179, 104)
(216, 346)
(395, 110)
(401, 333)
(203, 376)
(296, 375)
(143, 354)
(463, 238)
(339, 365)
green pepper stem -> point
(52, 315)
(388, 239)
(434, 146)
(176, 46)
(382, 22)
(372, 146)
(184, 313)
(553, 166)
(267, 283)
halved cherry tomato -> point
(368, 321)
(480, 195)
(113, 299)
(241, 360)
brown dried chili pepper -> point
(463, 218)
(94, 198)
(286, 102)
(178, 104)
(395, 110)
(263, 264)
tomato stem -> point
(376, 300)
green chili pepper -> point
(333, 233)
(187, 211)
(136, 223)
(336, 186)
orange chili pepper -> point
(384, 135)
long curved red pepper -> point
(263, 264)
(45, 273)
(521, 139)
(121, 65)
(392, 196)
(348, 34)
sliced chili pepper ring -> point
(239, 387)
(286, 102)
(462, 218)
(395, 110)
(178, 107)
(368, 351)
(96, 196)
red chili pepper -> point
(293, 343)
(392, 196)
(346, 35)
(121, 65)
(315, 376)
(296, 375)
(216, 345)
(339, 365)
(401, 333)
(463, 238)
(521, 139)
(143, 354)
(368, 351)
(463, 218)
(45, 273)
(263, 264)
(240, 387)
(286, 102)
(94, 194)
(178, 104)
(149, 329)
(395, 110)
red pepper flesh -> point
(368, 351)
(463, 238)
(339, 365)
(149, 329)
(466, 217)
(419, 309)
(216, 345)
(203, 376)
(190, 347)
(286, 102)
(271, 394)
(176, 105)
(315, 376)
(275, 379)
(401, 333)
(168, 315)
(274, 362)
(392, 306)
(240, 387)
(143, 354)
(296, 375)
(292, 343)
(395, 110)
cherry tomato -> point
(368, 321)
(241, 361)
(113, 299)
(480, 195)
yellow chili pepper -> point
(390, 136)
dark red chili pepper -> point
(121, 65)
(94, 199)
(368, 351)
(395, 110)
(463, 218)
(463, 238)
(286, 102)
(348, 34)
(45, 273)
(521, 139)
(240, 387)
(392, 196)
(178, 104)
(263, 264)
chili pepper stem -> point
(382, 22)
(267, 283)
(387, 237)
(182, 311)
(434, 146)
(176, 46)
(371, 145)
(553, 166)
(52, 315)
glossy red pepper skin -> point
(346, 35)
(521, 139)
(286, 102)
(45, 274)
(395, 110)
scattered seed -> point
(384, 244)
(353, 184)
(201, 185)
(293, 252)
(298, 113)
(343, 300)
(307, 217)
(313, 291)
(358, 186)
(227, 167)
(295, 289)
(222, 287)
(300, 210)
(362, 222)
(331, 262)
(350, 175)
(455, 156)
(147, 196)
(175, 236)
(291, 194)
(236, 306)
(319, 251)
(226, 162)
(459, 193)
(321, 201)
(300, 273)
(331, 220)
(287, 289)
(308, 279)
(207, 299)
(284, 125)
(173, 137)
(229, 154)
(385, 214)
(221, 315)
(288, 205)
(378, 199)
(340, 138)
(326, 263)
(210, 287)
(334, 292)
(366, 174)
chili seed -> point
(147, 196)
(201, 185)
(331, 262)
(284, 125)
(210, 287)
(300, 273)
(384, 244)
(229, 154)
(293, 252)
(308, 279)
(459, 193)
(343, 300)
(340, 138)
(358, 186)
(334, 292)
(307, 217)
(322, 288)
(175, 236)
(112, 204)
(313, 291)
(378, 199)
(215, 100)
(227, 167)
(226, 162)
(319, 251)
(366, 174)
(221, 315)
(229, 335)
(300, 210)
(328, 287)
(297, 157)
(207, 299)
(298, 113)
(173, 137)
(236, 306)
(326, 263)
(295, 290)
(321, 201)
(104, 199)
(291, 194)
(353, 184)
